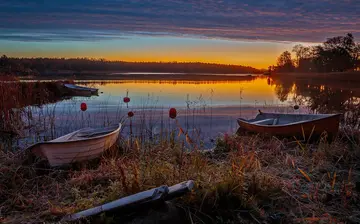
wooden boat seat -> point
(92, 134)
(276, 121)
(268, 121)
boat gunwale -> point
(289, 124)
(78, 87)
(78, 140)
(81, 88)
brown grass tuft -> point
(247, 178)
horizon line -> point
(160, 62)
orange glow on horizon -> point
(261, 62)
(264, 64)
(255, 58)
(257, 55)
(257, 63)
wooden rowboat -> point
(292, 125)
(81, 90)
(80, 145)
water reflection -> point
(206, 107)
(248, 91)
(321, 95)
(173, 82)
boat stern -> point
(36, 149)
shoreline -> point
(241, 172)
(113, 75)
(144, 76)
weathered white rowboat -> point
(80, 145)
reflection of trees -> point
(282, 92)
(282, 89)
(321, 98)
(324, 99)
(239, 80)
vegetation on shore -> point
(55, 66)
(15, 96)
(244, 179)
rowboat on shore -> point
(292, 125)
(80, 145)
(80, 90)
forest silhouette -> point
(336, 54)
(35, 66)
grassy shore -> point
(245, 179)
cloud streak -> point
(90, 20)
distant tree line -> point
(336, 54)
(35, 66)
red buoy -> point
(126, 99)
(83, 106)
(172, 113)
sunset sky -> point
(245, 32)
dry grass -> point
(15, 97)
(246, 179)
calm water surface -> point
(178, 93)
(206, 108)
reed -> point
(244, 179)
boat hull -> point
(80, 90)
(75, 92)
(305, 129)
(60, 152)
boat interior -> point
(93, 132)
(282, 119)
(86, 133)
(72, 86)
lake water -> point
(177, 93)
(206, 109)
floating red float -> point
(83, 106)
(130, 114)
(172, 113)
(126, 99)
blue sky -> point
(182, 29)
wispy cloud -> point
(91, 20)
